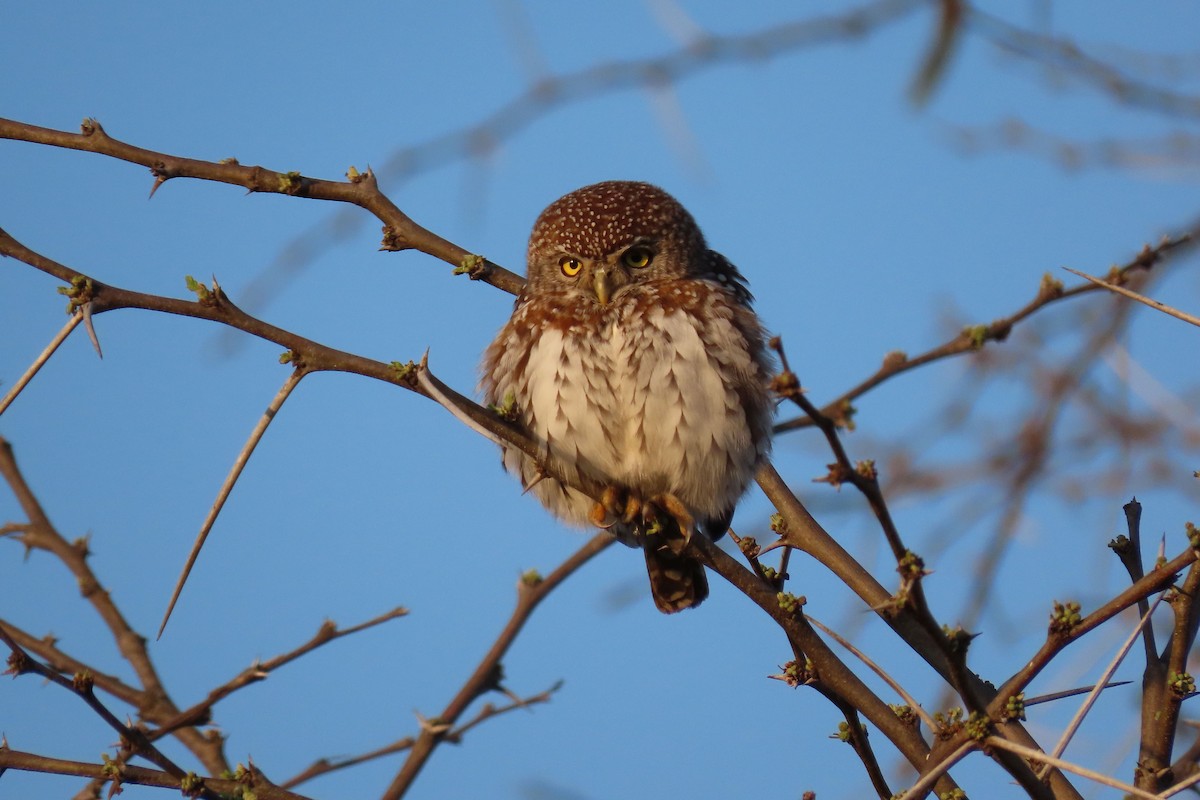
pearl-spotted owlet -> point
(634, 359)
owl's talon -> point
(633, 508)
(612, 501)
(675, 508)
(600, 518)
(619, 504)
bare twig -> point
(1050, 291)
(362, 190)
(1067, 55)
(21, 663)
(47, 649)
(1166, 683)
(154, 704)
(260, 670)
(127, 773)
(488, 711)
(1155, 581)
(835, 680)
(486, 675)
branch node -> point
(473, 266)
(795, 674)
(1064, 618)
(393, 241)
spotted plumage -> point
(634, 357)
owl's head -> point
(604, 237)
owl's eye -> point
(570, 266)
(637, 257)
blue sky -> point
(861, 228)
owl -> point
(634, 359)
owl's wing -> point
(720, 269)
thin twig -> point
(973, 338)
(260, 670)
(804, 533)
(128, 773)
(47, 649)
(1155, 581)
(362, 190)
(324, 766)
(840, 684)
(21, 662)
(486, 674)
(230, 480)
(40, 361)
(1130, 554)
(154, 704)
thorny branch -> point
(215, 305)
(127, 773)
(973, 338)
(489, 673)
(455, 735)
(152, 701)
(911, 617)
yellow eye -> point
(637, 257)
(570, 266)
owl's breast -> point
(649, 392)
(567, 392)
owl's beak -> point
(602, 285)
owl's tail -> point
(676, 581)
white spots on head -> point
(597, 220)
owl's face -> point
(598, 240)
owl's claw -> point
(616, 504)
(675, 508)
(625, 506)
(600, 518)
(633, 508)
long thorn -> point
(1077, 720)
(38, 362)
(91, 331)
(434, 388)
(1063, 695)
(227, 487)
(888, 679)
(1141, 298)
(1067, 766)
(922, 786)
